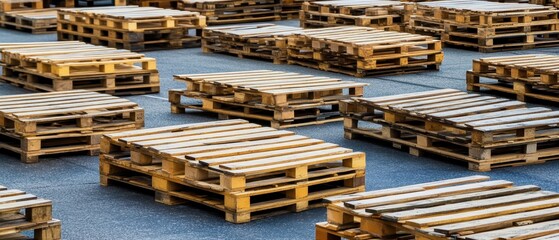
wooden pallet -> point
(526, 76)
(33, 21)
(362, 51)
(262, 41)
(234, 11)
(462, 208)
(13, 5)
(39, 124)
(21, 212)
(488, 26)
(240, 168)
(281, 98)
(76, 65)
(379, 14)
(486, 132)
(131, 27)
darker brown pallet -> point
(462, 208)
(522, 137)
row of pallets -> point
(21, 213)
(63, 66)
(244, 170)
(281, 98)
(357, 51)
(463, 208)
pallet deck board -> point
(480, 214)
(235, 163)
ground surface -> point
(89, 211)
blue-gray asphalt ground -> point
(89, 211)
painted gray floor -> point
(89, 211)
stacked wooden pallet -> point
(83, 3)
(526, 76)
(21, 212)
(379, 14)
(282, 98)
(38, 124)
(486, 132)
(62, 66)
(361, 51)
(131, 27)
(462, 208)
(34, 21)
(488, 26)
(263, 41)
(234, 11)
(242, 169)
